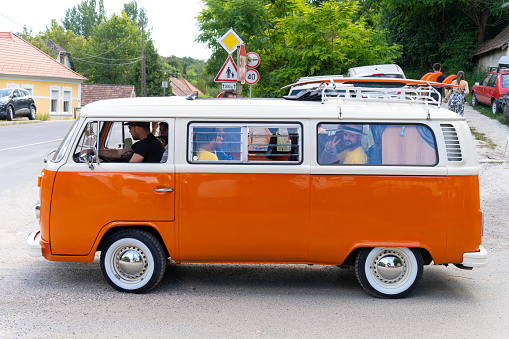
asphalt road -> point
(23, 149)
(71, 300)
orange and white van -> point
(414, 201)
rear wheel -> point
(10, 113)
(494, 107)
(32, 114)
(133, 261)
(389, 272)
(474, 100)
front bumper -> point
(34, 247)
(475, 259)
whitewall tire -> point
(389, 272)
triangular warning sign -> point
(228, 72)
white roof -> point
(244, 108)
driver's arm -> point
(117, 154)
(137, 158)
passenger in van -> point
(346, 147)
(208, 142)
(147, 149)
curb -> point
(19, 122)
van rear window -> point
(245, 143)
(376, 144)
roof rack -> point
(499, 69)
(363, 91)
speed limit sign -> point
(252, 76)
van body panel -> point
(349, 211)
(243, 217)
(84, 202)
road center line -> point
(35, 144)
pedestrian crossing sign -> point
(228, 72)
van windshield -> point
(59, 153)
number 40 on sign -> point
(252, 76)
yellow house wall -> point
(41, 91)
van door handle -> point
(167, 189)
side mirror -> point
(477, 84)
(91, 158)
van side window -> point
(376, 144)
(244, 143)
(116, 141)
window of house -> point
(55, 93)
(67, 102)
(376, 144)
(245, 143)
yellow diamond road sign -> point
(230, 40)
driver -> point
(147, 149)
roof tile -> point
(19, 57)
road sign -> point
(253, 60)
(228, 85)
(230, 40)
(228, 72)
(165, 84)
(242, 61)
(252, 76)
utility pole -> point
(143, 79)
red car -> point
(492, 88)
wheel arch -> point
(150, 229)
(350, 259)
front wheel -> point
(389, 272)
(133, 261)
(474, 100)
(10, 113)
(494, 107)
(32, 114)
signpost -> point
(228, 72)
(230, 40)
(253, 60)
(165, 85)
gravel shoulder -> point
(493, 177)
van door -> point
(88, 197)
(247, 205)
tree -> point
(294, 38)
(82, 18)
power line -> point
(115, 46)
(101, 63)
(93, 56)
(13, 21)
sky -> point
(172, 22)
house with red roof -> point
(55, 87)
(96, 92)
(182, 87)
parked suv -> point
(493, 87)
(16, 102)
(377, 71)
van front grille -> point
(452, 144)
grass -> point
(42, 117)
(483, 138)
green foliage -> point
(82, 18)
(294, 38)
(445, 31)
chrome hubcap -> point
(389, 267)
(129, 263)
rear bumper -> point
(475, 259)
(34, 247)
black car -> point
(15, 102)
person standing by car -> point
(455, 97)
